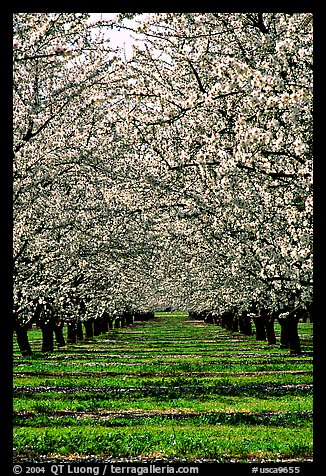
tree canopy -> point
(180, 177)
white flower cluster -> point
(179, 178)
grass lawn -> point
(167, 388)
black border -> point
(313, 468)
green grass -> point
(177, 367)
(85, 403)
(191, 441)
(140, 381)
(66, 419)
(170, 388)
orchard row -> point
(178, 177)
(46, 317)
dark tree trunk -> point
(129, 318)
(294, 340)
(58, 332)
(260, 328)
(248, 326)
(105, 326)
(223, 321)
(270, 331)
(242, 323)
(289, 334)
(22, 340)
(71, 332)
(117, 323)
(89, 328)
(284, 339)
(227, 320)
(97, 327)
(245, 324)
(111, 323)
(105, 323)
(268, 321)
(209, 318)
(47, 337)
(123, 321)
(79, 331)
(235, 324)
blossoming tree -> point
(179, 177)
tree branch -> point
(200, 84)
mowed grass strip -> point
(62, 363)
(86, 402)
(118, 419)
(207, 393)
(158, 380)
(177, 367)
(209, 441)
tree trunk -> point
(129, 318)
(58, 332)
(105, 326)
(260, 328)
(47, 337)
(89, 329)
(223, 321)
(246, 324)
(111, 323)
(293, 336)
(22, 340)
(242, 323)
(72, 332)
(97, 327)
(284, 339)
(105, 323)
(117, 323)
(270, 331)
(228, 321)
(268, 321)
(289, 334)
(235, 324)
(79, 331)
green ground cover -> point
(167, 388)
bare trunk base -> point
(22, 340)
(289, 334)
(79, 331)
(89, 332)
(58, 332)
(245, 326)
(47, 337)
(97, 327)
(260, 328)
(71, 333)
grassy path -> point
(169, 389)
